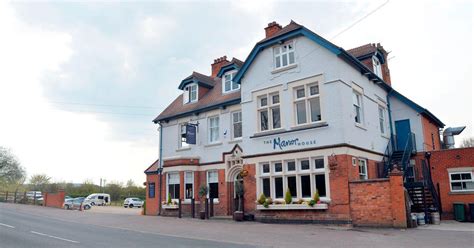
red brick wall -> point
(378, 202)
(55, 200)
(152, 203)
(441, 161)
(429, 129)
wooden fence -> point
(20, 197)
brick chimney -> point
(218, 63)
(272, 28)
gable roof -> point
(153, 168)
(294, 30)
(200, 79)
(212, 99)
(234, 64)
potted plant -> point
(288, 198)
(239, 191)
(202, 193)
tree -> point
(115, 190)
(468, 142)
(39, 182)
(11, 172)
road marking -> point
(5, 225)
(54, 237)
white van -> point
(99, 199)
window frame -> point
(188, 93)
(186, 182)
(209, 129)
(208, 182)
(365, 166)
(168, 176)
(268, 108)
(233, 123)
(154, 190)
(377, 66)
(382, 120)
(278, 54)
(312, 172)
(460, 181)
(359, 106)
(184, 145)
(306, 100)
(231, 75)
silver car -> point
(75, 203)
(132, 202)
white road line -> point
(54, 237)
(5, 225)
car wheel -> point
(92, 203)
(125, 206)
(87, 207)
(66, 207)
(139, 206)
(131, 205)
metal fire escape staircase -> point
(422, 192)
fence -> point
(24, 197)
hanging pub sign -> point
(191, 134)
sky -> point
(80, 82)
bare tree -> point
(467, 142)
(11, 172)
(39, 181)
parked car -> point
(34, 194)
(75, 203)
(132, 202)
(99, 199)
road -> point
(35, 226)
(18, 229)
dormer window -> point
(228, 84)
(190, 94)
(284, 55)
(377, 66)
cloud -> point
(154, 29)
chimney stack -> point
(272, 28)
(218, 63)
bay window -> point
(213, 184)
(213, 124)
(300, 177)
(307, 104)
(237, 125)
(269, 111)
(284, 55)
(189, 185)
(461, 181)
(173, 185)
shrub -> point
(311, 203)
(316, 196)
(269, 200)
(265, 204)
(261, 199)
(169, 199)
(288, 197)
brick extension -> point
(55, 200)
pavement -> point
(33, 226)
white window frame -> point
(269, 107)
(306, 100)
(181, 129)
(382, 119)
(234, 122)
(188, 89)
(460, 181)
(362, 163)
(279, 54)
(210, 128)
(168, 175)
(229, 77)
(186, 182)
(358, 105)
(208, 181)
(377, 66)
(297, 173)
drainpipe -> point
(160, 168)
(390, 119)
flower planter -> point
(320, 206)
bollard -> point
(207, 208)
(192, 207)
(6, 197)
(179, 208)
(211, 209)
